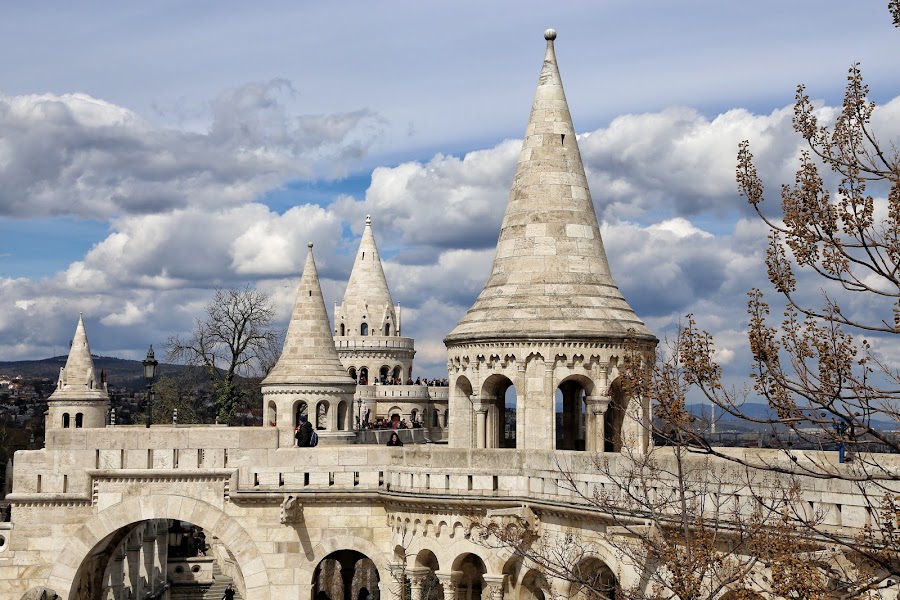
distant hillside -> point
(120, 373)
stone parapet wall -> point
(89, 470)
(373, 342)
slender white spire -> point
(77, 380)
(367, 299)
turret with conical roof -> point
(309, 379)
(81, 398)
(367, 323)
(367, 308)
(550, 320)
(550, 277)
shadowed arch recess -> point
(67, 569)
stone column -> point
(449, 581)
(481, 410)
(417, 577)
(348, 570)
(595, 427)
(396, 588)
(494, 586)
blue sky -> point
(150, 152)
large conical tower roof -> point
(77, 380)
(550, 277)
(309, 356)
(367, 282)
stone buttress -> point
(550, 321)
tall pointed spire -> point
(550, 276)
(309, 355)
(367, 299)
(77, 380)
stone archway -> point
(334, 546)
(70, 567)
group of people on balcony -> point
(387, 380)
(391, 423)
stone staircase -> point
(220, 581)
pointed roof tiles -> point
(309, 356)
(77, 380)
(550, 277)
(367, 284)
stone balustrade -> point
(413, 392)
(252, 461)
(373, 342)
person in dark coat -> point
(304, 432)
(395, 440)
(229, 592)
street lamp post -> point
(150, 364)
(359, 417)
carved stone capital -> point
(597, 404)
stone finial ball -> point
(550, 35)
(309, 245)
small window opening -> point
(364, 255)
(310, 293)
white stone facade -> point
(550, 322)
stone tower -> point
(308, 378)
(81, 398)
(367, 323)
(550, 321)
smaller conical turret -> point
(81, 398)
(309, 355)
(367, 308)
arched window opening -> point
(321, 421)
(570, 416)
(471, 577)
(65, 420)
(364, 376)
(499, 394)
(345, 575)
(412, 416)
(364, 329)
(271, 414)
(383, 374)
(446, 418)
(79, 420)
(387, 329)
(342, 425)
(300, 410)
(342, 329)
(435, 419)
(397, 374)
(614, 420)
(599, 582)
(352, 372)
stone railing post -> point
(481, 410)
(494, 587)
(449, 581)
(397, 585)
(596, 421)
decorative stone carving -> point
(291, 510)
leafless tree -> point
(235, 338)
